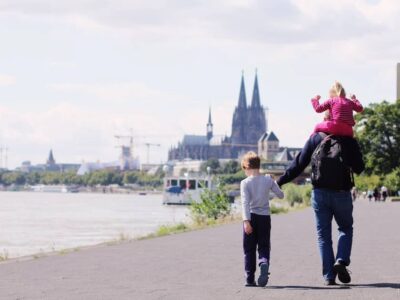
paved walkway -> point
(207, 264)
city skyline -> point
(75, 73)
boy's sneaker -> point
(264, 275)
(250, 283)
(342, 272)
(329, 282)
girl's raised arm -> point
(357, 106)
(321, 107)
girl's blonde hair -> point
(338, 89)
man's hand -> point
(247, 227)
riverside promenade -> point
(208, 264)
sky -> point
(75, 73)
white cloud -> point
(6, 80)
(76, 134)
(312, 41)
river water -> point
(32, 223)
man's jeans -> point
(328, 204)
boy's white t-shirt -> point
(254, 192)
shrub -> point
(232, 178)
(392, 181)
(293, 194)
(298, 194)
(214, 204)
(306, 192)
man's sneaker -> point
(342, 272)
(251, 283)
(264, 275)
(329, 282)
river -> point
(32, 223)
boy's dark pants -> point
(259, 237)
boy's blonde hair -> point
(338, 89)
(251, 161)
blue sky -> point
(75, 73)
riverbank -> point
(184, 266)
(59, 220)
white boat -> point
(184, 190)
(51, 188)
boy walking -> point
(254, 191)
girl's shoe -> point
(264, 275)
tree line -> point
(378, 132)
(101, 177)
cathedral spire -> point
(255, 101)
(209, 116)
(242, 94)
(209, 126)
(51, 161)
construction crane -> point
(131, 143)
(148, 145)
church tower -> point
(209, 126)
(50, 160)
(257, 124)
(239, 120)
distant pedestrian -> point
(354, 193)
(254, 191)
(377, 195)
(370, 194)
(384, 192)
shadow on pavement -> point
(377, 285)
(305, 287)
(337, 287)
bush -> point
(293, 194)
(392, 181)
(232, 178)
(171, 229)
(214, 204)
(300, 194)
(365, 182)
(306, 192)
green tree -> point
(392, 181)
(378, 131)
(130, 177)
(33, 178)
(231, 167)
(17, 178)
(213, 163)
(367, 182)
(232, 178)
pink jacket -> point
(340, 109)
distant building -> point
(50, 166)
(248, 124)
(276, 158)
(270, 150)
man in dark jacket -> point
(331, 203)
